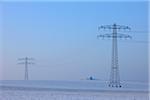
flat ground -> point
(48, 94)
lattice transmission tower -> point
(114, 75)
(26, 61)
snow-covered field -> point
(40, 93)
(8, 94)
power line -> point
(134, 41)
(138, 31)
(140, 41)
(114, 75)
(26, 61)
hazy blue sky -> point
(62, 37)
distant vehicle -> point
(91, 78)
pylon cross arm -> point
(31, 63)
(112, 36)
(105, 27)
(122, 27)
(105, 35)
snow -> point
(21, 90)
(66, 95)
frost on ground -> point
(70, 90)
(28, 94)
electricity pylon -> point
(114, 75)
(26, 61)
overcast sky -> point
(62, 37)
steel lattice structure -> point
(114, 75)
(26, 61)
